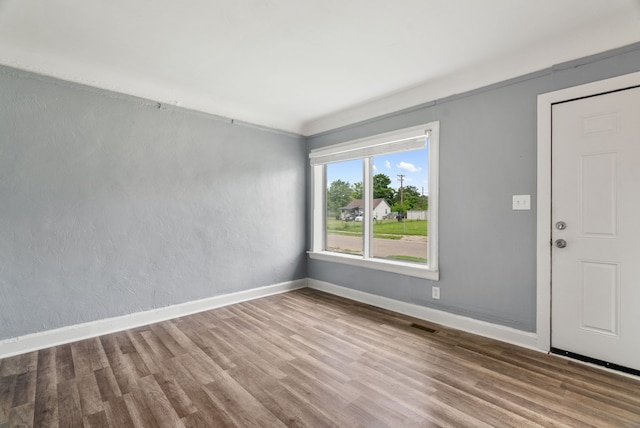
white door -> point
(596, 194)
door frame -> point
(543, 215)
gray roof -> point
(357, 203)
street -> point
(414, 246)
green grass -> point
(387, 229)
(408, 258)
(406, 227)
(344, 227)
(345, 250)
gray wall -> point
(111, 205)
(487, 154)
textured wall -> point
(487, 154)
(111, 205)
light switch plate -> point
(521, 202)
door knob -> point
(561, 243)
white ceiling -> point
(304, 65)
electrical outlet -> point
(435, 292)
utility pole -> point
(401, 189)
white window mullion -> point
(434, 174)
(319, 208)
(367, 196)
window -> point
(375, 202)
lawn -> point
(389, 229)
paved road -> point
(415, 246)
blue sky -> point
(413, 165)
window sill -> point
(377, 264)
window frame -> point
(373, 146)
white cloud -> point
(375, 168)
(387, 164)
(408, 167)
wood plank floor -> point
(306, 359)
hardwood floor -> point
(306, 359)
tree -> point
(357, 191)
(411, 196)
(400, 208)
(412, 200)
(381, 188)
(423, 203)
(338, 195)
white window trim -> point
(403, 139)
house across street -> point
(380, 209)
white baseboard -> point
(482, 328)
(59, 336)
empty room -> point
(279, 213)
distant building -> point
(356, 207)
